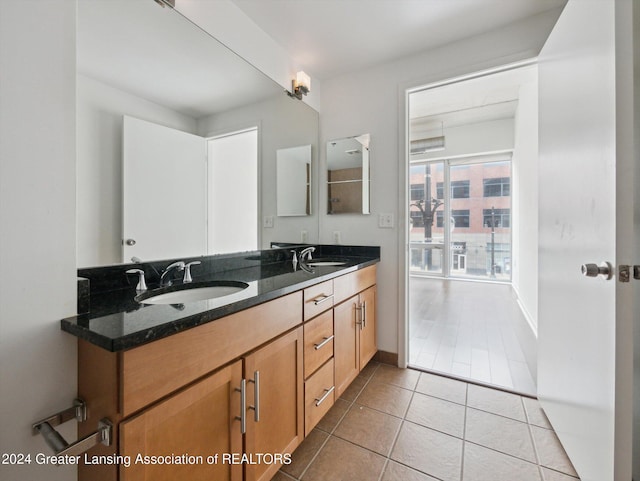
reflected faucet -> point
(179, 266)
(305, 254)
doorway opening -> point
(232, 207)
(472, 228)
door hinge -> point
(624, 273)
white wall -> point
(99, 169)
(276, 131)
(525, 200)
(372, 101)
(37, 228)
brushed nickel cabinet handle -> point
(256, 395)
(325, 341)
(243, 406)
(325, 396)
(319, 300)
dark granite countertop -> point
(116, 321)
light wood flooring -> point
(468, 329)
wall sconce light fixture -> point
(301, 85)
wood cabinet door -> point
(368, 346)
(275, 405)
(199, 421)
(346, 344)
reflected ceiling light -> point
(164, 3)
(301, 85)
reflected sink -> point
(188, 293)
(325, 262)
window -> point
(460, 217)
(459, 189)
(417, 191)
(502, 217)
(497, 187)
(416, 218)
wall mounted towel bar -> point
(55, 440)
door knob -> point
(130, 242)
(594, 270)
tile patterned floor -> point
(466, 329)
(403, 425)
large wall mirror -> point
(140, 61)
(348, 175)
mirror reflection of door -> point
(185, 195)
(233, 192)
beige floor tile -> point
(368, 428)
(386, 398)
(369, 369)
(551, 452)
(280, 476)
(406, 378)
(399, 472)
(330, 420)
(442, 387)
(483, 464)
(342, 461)
(354, 389)
(550, 475)
(304, 453)
(535, 413)
(502, 434)
(438, 414)
(429, 451)
(496, 402)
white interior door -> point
(165, 192)
(584, 360)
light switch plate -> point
(336, 237)
(385, 221)
(304, 236)
(267, 222)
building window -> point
(459, 189)
(417, 191)
(417, 220)
(502, 217)
(459, 218)
(497, 187)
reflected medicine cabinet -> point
(293, 181)
(348, 175)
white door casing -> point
(584, 339)
(164, 192)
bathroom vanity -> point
(221, 390)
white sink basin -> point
(193, 294)
(325, 262)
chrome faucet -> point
(179, 266)
(305, 254)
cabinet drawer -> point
(318, 342)
(350, 284)
(154, 370)
(318, 299)
(319, 396)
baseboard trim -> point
(385, 357)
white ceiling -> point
(332, 37)
(156, 54)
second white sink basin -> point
(191, 294)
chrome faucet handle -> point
(142, 285)
(306, 253)
(176, 265)
(187, 271)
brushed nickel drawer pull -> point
(325, 341)
(325, 396)
(323, 298)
